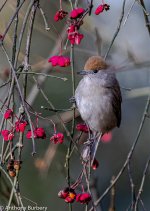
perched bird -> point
(98, 99)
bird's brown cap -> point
(95, 63)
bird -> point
(98, 100)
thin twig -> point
(28, 46)
(21, 96)
(58, 115)
(34, 91)
(56, 109)
(145, 15)
(3, 5)
(47, 28)
(12, 18)
(73, 86)
(142, 184)
(129, 12)
(132, 187)
(7, 176)
(117, 30)
(112, 196)
(5, 83)
(22, 31)
(42, 74)
(12, 191)
(98, 42)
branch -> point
(21, 96)
(118, 29)
(142, 184)
(12, 18)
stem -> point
(43, 74)
(7, 176)
(28, 46)
(130, 9)
(12, 19)
(73, 86)
(3, 5)
(145, 15)
(71, 4)
(60, 2)
(12, 191)
(58, 115)
(21, 96)
(47, 28)
(142, 184)
(117, 30)
(73, 120)
(22, 31)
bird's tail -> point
(90, 148)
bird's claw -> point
(89, 141)
(72, 99)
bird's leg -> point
(87, 148)
(93, 149)
(89, 142)
(90, 139)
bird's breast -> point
(94, 103)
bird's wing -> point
(113, 84)
(116, 102)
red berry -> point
(40, 132)
(61, 61)
(82, 127)
(12, 173)
(69, 200)
(95, 164)
(63, 193)
(20, 125)
(29, 134)
(57, 138)
(83, 198)
(17, 164)
(60, 15)
(1, 37)
(76, 13)
(8, 114)
(7, 135)
(99, 9)
(107, 137)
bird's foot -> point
(86, 152)
(72, 100)
(89, 141)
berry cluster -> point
(61, 61)
(20, 126)
(69, 195)
(74, 22)
(13, 166)
(37, 133)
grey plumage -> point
(98, 100)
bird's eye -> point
(95, 71)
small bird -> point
(98, 99)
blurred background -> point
(42, 176)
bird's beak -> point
(82, 72)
